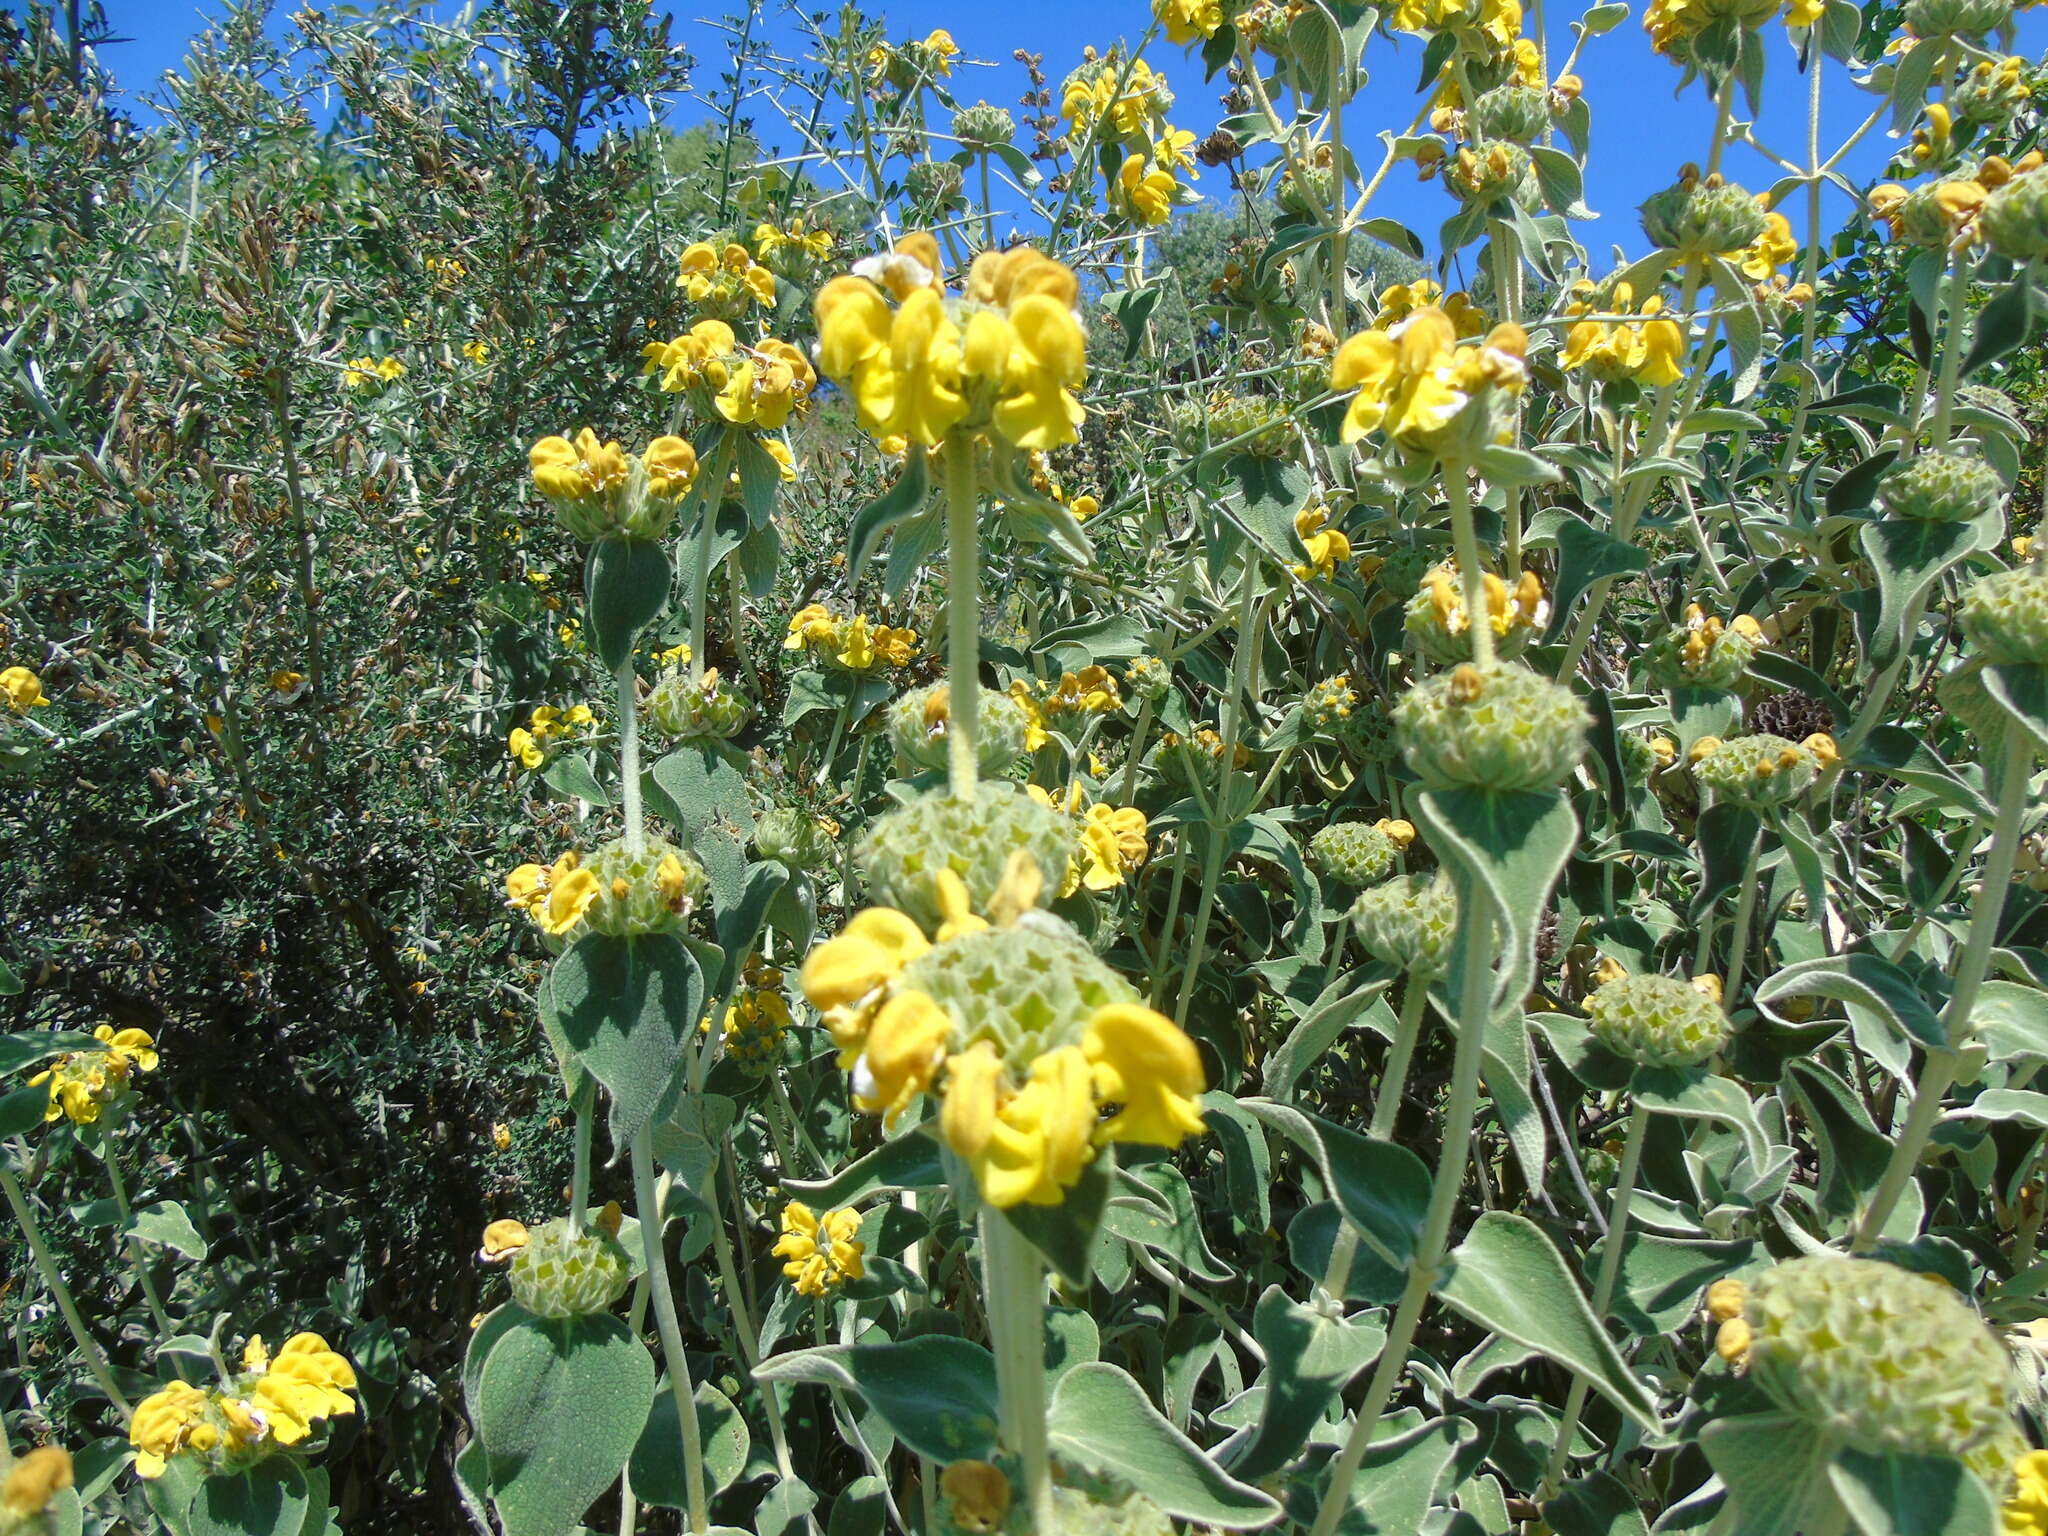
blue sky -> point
(1642, 132)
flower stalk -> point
(963, 609)
(1013, 1281)
(647, 1208)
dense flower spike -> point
(1015, 1022)
(1004, 355)
(822, 1252)
(1650, 351)
(1760, 771)
(271, 1403)
(1500, 727)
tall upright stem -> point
(110, 1156)
(1955, 301)
(1745, 911)
(629, 758)
(53, 1277)
(1385, 1110)
(710, 497)
(647, 1207)
(963, 610)
(1475, 999)
(1938, 1073)
(579, 1167)
(1013, 1279)
(1465, 540)
(1603, 1287)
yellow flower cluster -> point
(1090, 691)
(1133, 114)
(1327, 547)
(851, 644)
(1954, 201)
(1400, 300)
(1110, 840)
(1674, 23)
(904, 64)
(554, 896)
(821, 1252)
(1007, 354)
(529, 745)
(757, 1018)
(587, 471)
(2025, 1513)
(36, 1478)
(1509, 614)
(23, 690)
(1023, 1111)
(273, 1401)
(1413, 380)
(1148, 185)
(446, 270)
(1649, 351)
(84, 1083)
(1188, 21)
(724, 280)
(774, 241)
(371, 373)
(758, 386)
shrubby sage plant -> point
(1114, 848)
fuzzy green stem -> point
(1013, 1277)
(963, 610)
(1475, 997)
(1385, 1109)
(710, 496)
(53, 1277)
(1745, 912)
(1465, 540)
(110, 1158)
(1955, 300)
(1603, 1290)
(647, 1204)
(1939, 1072)
(579, 1166)
(629, 758)
(1136, 749)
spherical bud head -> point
(1306, 192)
(1148, 678)
(1499, 727)
(2005, 616)
(1405, 569)
(699, 711)
(934, 183)
(2014, 221)
(1760, 772)
(652, 891)
(1953, 485)
(1353, 852)
(1956, 18)
(1893, 1360)
(1261, 422)
(1028, 988)
(1517, 112)
(1922, 219)
(1409, 922)
(1683, 658)
(907, 849)
(1331, 706)
(1105, 1511)
(1657, 1021)
(559, 1276)
(1695, 219)
(983, 127)
(793, 838)
(918, 725)
(1500, 170)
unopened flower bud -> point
(1353, 852)
(1499, 727)
(1409, 922)
(555, 1275)
(1952, 485)
(2005, 616)
(1657, 1021)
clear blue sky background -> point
(1642, 132)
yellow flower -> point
(1187, 20)
(1091, 691)
(1084, 507)
(501, 1136)
(1146, 191)
(523, 748)
(1771, 249)
(577, 471)
(1035, 733)
(555, 898)
(24, 690)
(1650, 351)
(38, 1477)
(306, 1381)
(904, 1051)
(1031, 1146)
(167, 1422)
(2025, 1513)
(1414, 380)
(774, 380)
(845, 977)
(83, 1083)
(1327, 547)
(477, 352)
(502, 1239)
(821, 1253)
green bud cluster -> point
(1148, 677)
(1891, 1359)
(904, 851)
(2014, 219)
(1354, 852)
(1761, 771)
(1696, 219)
(1954, 485)
(919, 721)
(559, 1276)
(984, 127)
(1330, 705)
(936, 182)
(1501, 170)
(1517, 112)
(1956, 18)
(2005, 616)
(1658, 1021)
(1499, 727)
(1681, 658)
(793, 838)
(652, 891)
(1409, 922)
(689, 711)
(1027, 988)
